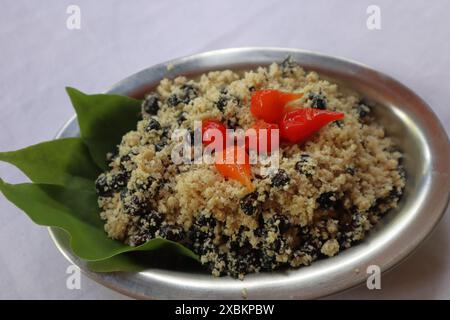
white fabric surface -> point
(39, 56)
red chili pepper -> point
(262, 129)
(209, 135)
(235, 169)
(269, 104)
(300, 124)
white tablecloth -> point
(39, 56)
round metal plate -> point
(406, 117)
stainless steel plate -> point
(406, 117)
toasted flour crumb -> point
(330, 247)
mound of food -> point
(337, 175)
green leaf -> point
(64, 162)
(166, 257)
(75, 211)
(63, 195)
(103, 120)
(122, 262)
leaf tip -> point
(72, 91)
